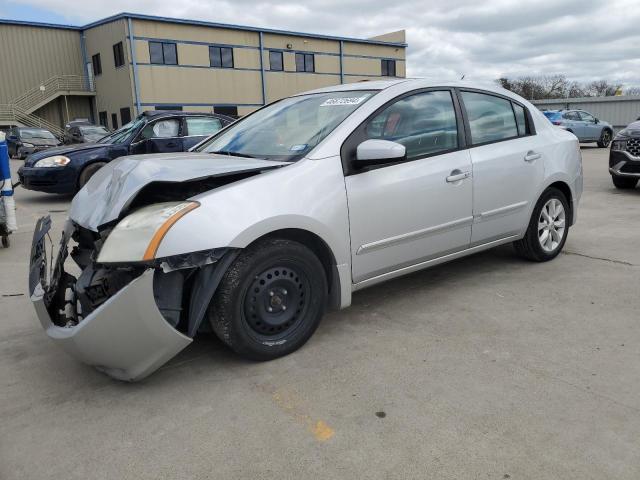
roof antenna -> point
(462, 77)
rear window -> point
(552, 115)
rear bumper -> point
(126, 337)
(49, 180)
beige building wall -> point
(31, 55)
(114, 87)
(60, 112)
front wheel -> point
(605, 139)
(548, 228)
(624, 183)
(88, 172)
(271, 300)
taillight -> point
(557, 123)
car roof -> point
(155, 113)
(408, 84)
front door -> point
(591, 128)
(159, 136)
(508, 165)
(406, 213)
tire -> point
(624, 183)
(6, 243)
(88, 172)
(531, 245)
(605, 139)
(277, 274)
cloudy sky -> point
(583, 39)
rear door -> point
(508, 164)
(574, 123)
(197, 129)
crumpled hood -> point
(116, 184)
(63, 150)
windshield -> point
(552, 115)
(121, 135)
(94, 133)
(287, 130)
(26, 133)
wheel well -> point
(564, 188)
(320, 248)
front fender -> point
(309, 195)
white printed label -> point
(342, 101)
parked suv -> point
(624, 158)
(285, 213)
(23, 141)
(84, 133)
(583, 125)
(67, 169)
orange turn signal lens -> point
(181, 211)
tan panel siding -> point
(300, 43)
(280, 84)
(246, 58)
(164, 84)
(242, 111)
(56, 111)
(142, 51)
(327, 64)
(115, 86)
(401, 69)
(190, 54)
(362, 66)
(193, 33)
(373, 50)
(31, 55)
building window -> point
(221, 57)
(388, 68)
(102, 119)
(168, 107)
(97, 64)
(118, 54)
(125, 115)
(275, 61)
(230, 111)
(163, 53)
(305, 62)
(114, 121)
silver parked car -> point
(293, 208)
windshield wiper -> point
(233, 154)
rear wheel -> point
(548, 228)
(605, 139)
(88, 172)
(624, 182)
(270, 301)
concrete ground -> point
(489, 367)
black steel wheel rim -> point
(276, 301)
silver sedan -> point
(265, 225)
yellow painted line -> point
(289, 403)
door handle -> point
(531, 156)
(457, 175)
(171, 144)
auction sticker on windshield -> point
(331, 102)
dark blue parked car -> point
(67, 169)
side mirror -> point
(75, 135)
(13, 138)
(379, 152)
(595, 120)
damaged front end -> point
(125, 319)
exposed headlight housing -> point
(55, 161)
(136, 237)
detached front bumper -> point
(126, 337)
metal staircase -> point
(20, 110)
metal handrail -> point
(13, 114)
(52, 86)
